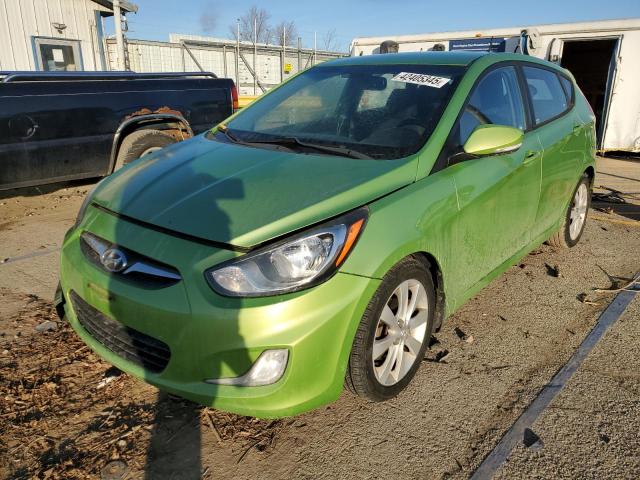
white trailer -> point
(604, 57)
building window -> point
(54, 54)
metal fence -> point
(255, 68)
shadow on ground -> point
(45, 189)
(625, 204)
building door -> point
(593, 64)
(53, 54)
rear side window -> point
(567, 86)
(547, 94)
(495, 100)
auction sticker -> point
(421, 79)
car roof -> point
(458, 58)
(461, 58)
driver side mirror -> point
(493, 140)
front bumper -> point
(211, 336)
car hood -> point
(243, 196)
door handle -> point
(530, 156)
(577, 128)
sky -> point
(156, 19)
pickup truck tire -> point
(140, 143)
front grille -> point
(141, 271)
(130, 344)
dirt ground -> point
(64, 413)
(619, 181)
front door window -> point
(496, 100)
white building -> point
(68, 35)
(604, 57)
(54, 34)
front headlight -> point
(297, 262)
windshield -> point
(374, 111)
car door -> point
(562, 134)
(497, 194)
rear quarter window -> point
(548, 96)
(567, 86)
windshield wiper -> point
(288, 141)
(225, 130)
(232, 136)
(347, 152)
(342, 151)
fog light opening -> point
(267, 369)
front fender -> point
(417, 218)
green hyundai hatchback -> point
(319, 237)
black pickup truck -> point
(57, 126)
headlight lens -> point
(298, 262)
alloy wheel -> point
(578, 213)
(400, 332)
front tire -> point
(575, 217)
(394, 333)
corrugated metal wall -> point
(21, 20)
(150, 56)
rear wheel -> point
(394, 333)
(575, 218)
(140, 143)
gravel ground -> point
(66, 414)
(591, 429)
